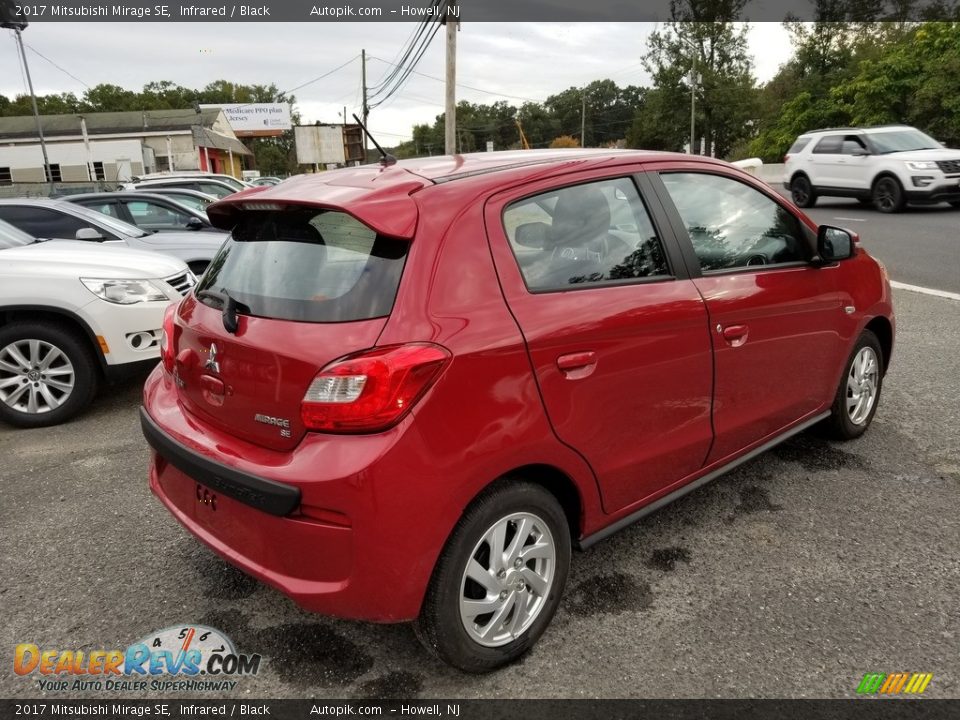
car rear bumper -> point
(320, 523)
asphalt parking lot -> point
(790, 577)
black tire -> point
(887, 195)
(439, 626)
(78, 357)
(802, 192)
(840, 425)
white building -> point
(116, 146)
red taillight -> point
(786, 158)
(372, 390)
(168, 351)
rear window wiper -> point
(230, 307)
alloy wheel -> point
(36, 377)
(801, 192)
(508, 579)
(885, 196)
(862, 385)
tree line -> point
(839, 74)
(842, 72)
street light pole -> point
(17, 28)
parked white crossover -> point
(73, 314)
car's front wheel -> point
(802, 192)
(499, 579)
(47, 374)
(887, 195)
(859, 393)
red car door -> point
(775, 317)
(616, 333)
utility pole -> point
(583, 118)
(693, 100)
(450, 116)
(693, 91)
(17, 27)
(91, 173)
(366, 108)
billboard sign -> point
(256, 118)
(320, 144)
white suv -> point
(886, 167)
(73, 313)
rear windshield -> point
(309, 265)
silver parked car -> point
(62, 220)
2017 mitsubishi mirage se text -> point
(406, 392)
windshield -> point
(902, 141)
(118, 226)
(11, 237)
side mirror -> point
(88, 233)
(195, 224)
(532, 235)
(835, 244)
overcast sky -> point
(502, 61)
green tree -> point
(703, 35)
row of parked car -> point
(85, 280)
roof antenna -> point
(386, 159)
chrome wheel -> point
(862, 384)
(36, 377)
(508, 579)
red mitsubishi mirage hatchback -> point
(406, 392)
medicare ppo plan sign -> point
(256, 118)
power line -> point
(66, 72)
(411, 54)
(461, 85)
(321, 77)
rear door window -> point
(109, 207)
(583, 235)
(150, 215)
(798, 145)
(829, 145)
(44, 223)
(309, 265)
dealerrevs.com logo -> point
(894, 683)
(188, 658)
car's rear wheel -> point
(47, 374)
(857, 398)
(499, 579)
(887, 195)
(802, 192)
